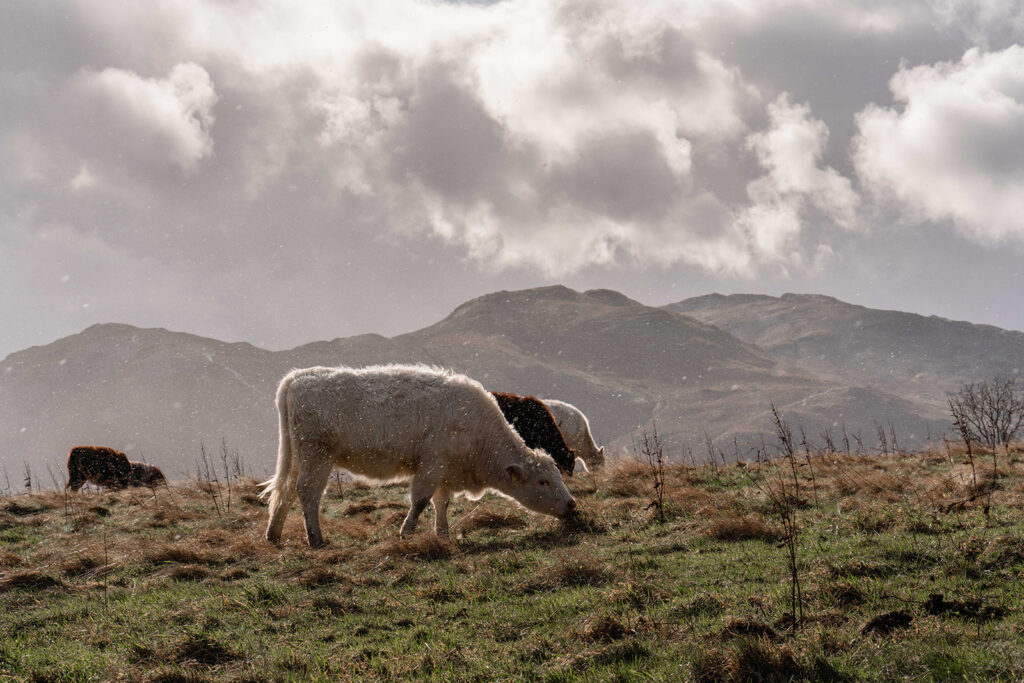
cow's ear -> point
(516, 472)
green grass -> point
(159, 587)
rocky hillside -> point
(159, 395)
(919, 358)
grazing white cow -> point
(575, 429)
(441, 429)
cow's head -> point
(538, 486)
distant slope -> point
(152, 393)
(158, 394)
(917, 357)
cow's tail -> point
(276, 486)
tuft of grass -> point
(748, 627)
(605, 627)
(203, 648)
(888, 622)
(575, 570)
(752, 659)
(1003, 552)
(29, 580)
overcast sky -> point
(283, 172)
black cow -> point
(143, 474)
(534, 423)
(101, 465)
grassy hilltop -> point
(178, 585)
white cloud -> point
(952, 150)
(985, 22)
(170, 118)
(794, 183)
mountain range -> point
(706, 368)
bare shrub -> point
(784, 494)
(206, 477)
(649, 451)
(991, 411)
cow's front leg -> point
(423, 487)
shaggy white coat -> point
(439, 428)
(575, 430)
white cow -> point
(441, 429)
(576, 431)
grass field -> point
(902, 575)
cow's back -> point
(382, 422)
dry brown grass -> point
(490, 517)
(9, 559)
(690, 499)
(81, 565)
(371, 505)
(426, 546)
(741, 528)
(888, 484)
(179, 553)
(627, 478)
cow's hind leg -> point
(420, 492)
(313, 476)
(440, 500)
(280, 500)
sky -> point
(281, 172)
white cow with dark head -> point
(440, 429)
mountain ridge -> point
(161, 394)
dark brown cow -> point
(143, 474)
(101, 465)
(534, 423)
